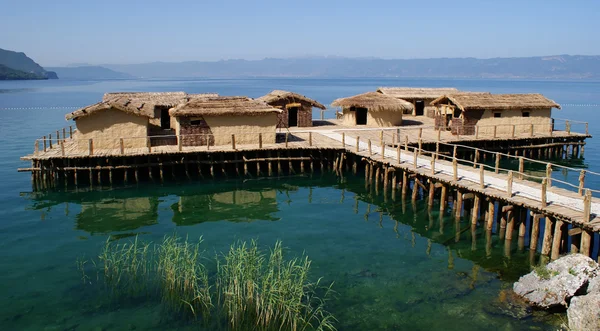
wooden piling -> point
(459, 204)
(549, 174)
(491, 214)
(521, 167)
(547, 242)
(90, 147)
(455, 169)
(510, 225)
(581, 182)
(443, 198)
(481, 177)
(475, 211)
(497, 168)
(509, 184)
(357, 143)
(543, 194)
(557, 241)
(535, 232)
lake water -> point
(394, 266)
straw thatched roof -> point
(416, 93)
(136, 103)
(482, 101)
(373, 101)
(222, 106)
(277, 96)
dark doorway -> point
(419, 107)
(292, 116)
(165, 119)
(361, 116)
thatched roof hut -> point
(276, 96)
(373, 101)
(222, 106)
(483, 101)
(373, 109)
(466, 113)
(296, 108)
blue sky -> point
(63, 32)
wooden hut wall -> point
(540, 118)
(376, 118)
(245, 127)
(106, 127)
(304, 113)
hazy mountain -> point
(22, 67)
(543, 67)
(88, 73)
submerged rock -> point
(554, 284)
(584, 312)
(594, 285)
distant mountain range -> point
(88, 72)
(542, 67)
(16, 65)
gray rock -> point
(584, 312)
(594, 285)
(556, 283)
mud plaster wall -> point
(106, 127)
(377, 118)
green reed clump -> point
(269, 294)
(127, 268)
(183, 279)
(251, 291)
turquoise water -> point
(393, 264)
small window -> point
(195, 122)
(496, 115)
(525, 114)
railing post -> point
(497, 170)
(481, 176)
(310, 139)
(512, 131)
(439, 133)
(455, 169)
(344, 139)
(586, 128)
(381, 136)
(62, 148)
(476, 131)
(233, 141)
(179, 143)
(370, 151)
(50, 140)
(521, 167)
(475, 158)
(121, 146)
(322, 114)
(420, 133)
(64, 133)
(406, 143)
(420, 145)
(415, 159)
(509, 182)
(44, 143)
(544, 188)
(568, 127)
(260, 140)
(90, 146)
(207, 142)
(382, 150)
(57, 136)
(549, 174)
(437, 150)
(454, 152)
(495, 131)
(70, 131)
(149, 144)
(287, 137)
(398, 153)
(36, 146)
(587, 206)
(432, 164)
(357, 143)
(581, 181)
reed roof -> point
(277, 96)
(222, 106)
(482, 101)
(416, 93)
(373, 101)
(136, 103)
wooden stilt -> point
(547, 243)
(475, 211)
(459, 204)
(556, 242)
(443, 197)
(535, 232)
(491, 214)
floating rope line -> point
(39, 108)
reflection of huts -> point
(110, 215)
(462, 112)
(212, 120)
(372, 109)
(133, 116)
(235, 206)
(296, 108)
(420, 97)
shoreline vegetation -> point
(247, 289)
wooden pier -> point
(415, 161)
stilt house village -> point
(163, 118)
(440, 143)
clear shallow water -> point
(396, 269)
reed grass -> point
(251, 291)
